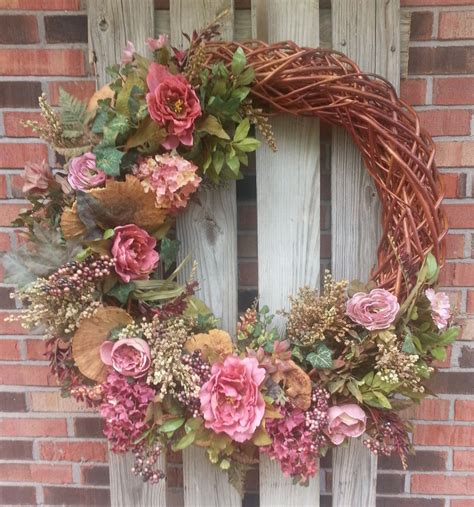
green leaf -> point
(233, 163)
(132, 82)
(242, 130)
(431, 266)
(382, 399)
(336, 385)
(247, 145)
(211, 125)
(148, 132)
(261, 437)
(239, 61)
(122, 291)
(72, 112)
(109, 233)
(321, 358)
(354, 390)
(108, 159)
(247, 76)
(218, 161)
(186, 441)
(169, 251)
(171, 425)
(408, 345)
(439, 353)
(241, 93)
(118, 125)
(448, 336)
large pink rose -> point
(134, 253)
(83, 173)
(172, 103)
(440, 307)
(376, 310)
(37, 178)
(345, 421)
(231, 401)
(129, 356)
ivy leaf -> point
(408, 345)
(168, 251)
(108, 159)
(239, 61)
(122, 291)
(211, 125)
(321, 358)
(118, 125)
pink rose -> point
(376, 310)
(155, 44)
(129, 357)
(440, 307)
(127, 53)
(83, 173)
(172, 103)
(231, 401)
(134, 253)
(37, 178)
(345, 421)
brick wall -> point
(52, 453)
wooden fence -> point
(288, 207)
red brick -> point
(454, 184)
(467, 328)
(442, 484)
(446, 122)
(41, 5)
(439, 434)
(470, 302)
(81, 89)
(461, 503)
(35, 349)
(453, 90)
(247, 217)
(413, 91)
(12, 402)
(73, 451)
(455, 153)
(421, 27)
(14, 427)
(432, 410)
(52, 401)
(441, 60)
(17, 450)
(56, 495)
(16, 155)
(18, 29)
(463, 460)
(464, 410)
(416, 3)
(9, 350)
(26, 375)
(13, 123)
(3, 187)
(18, 495)
(95, 475)
(460, 216)
(247, 245)
(8, 327)
(16, 186)
(457, 274)
(455, 246)
(9, 212)
(56, 474)
(65, 29)
(456, 25)
(5, 242)
(248, 273)
(42, 62)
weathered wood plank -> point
(111, 24)
(208, 231)
(288, 201)
(368, 31)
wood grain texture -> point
(208, 231)
(367, 31)
(288, 197)
(111, 23)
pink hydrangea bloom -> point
(231, 401)
(155, 44)
(172, 103)
(440, 307)
(83, 173)
(345, 421)
(134, 253)
(127, 53)
(129, 356)
(172, 178)
(37, 178)
(376, 310)
(124, 410)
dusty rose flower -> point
(345, 421)
(127, 53)
(440, 307)
(83, 173)
(134, 253)
(172, 103)
(37, 177)
(155, 44)
(172, 178)
(376, 310)
(231, 401)
(129, 356)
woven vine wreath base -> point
(398, 153)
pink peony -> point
(129, 357)
(172, 103)
(376, 310)
(231, 401)
(127, 53)
(440, 307)
(83, 173)
(37, 178)
(155, 44)
(134, 253)
(345, 421)
(172, 178)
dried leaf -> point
(71, 224)
(297, 385)
(215, 346)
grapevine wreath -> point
(99, 275)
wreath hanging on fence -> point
(99, 271)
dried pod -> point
(296, 383)
(215, 346)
